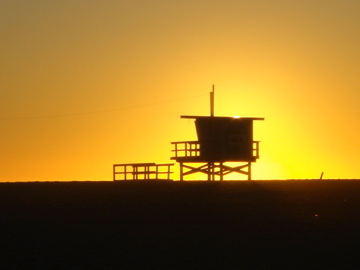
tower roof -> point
(220, 117)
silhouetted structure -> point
(220, 140)
(142, 171)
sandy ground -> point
(304, 224)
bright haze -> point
(86, 84)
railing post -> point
(135, 169)
(221, 171)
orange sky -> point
(85, 84)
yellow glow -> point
(84, 88)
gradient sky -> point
(89, 83)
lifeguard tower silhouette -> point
(221, 140)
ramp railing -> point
(142, 171)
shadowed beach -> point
(180, 225)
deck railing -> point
(142, 171)
(256, 149)
(186, 149)
(192, 149)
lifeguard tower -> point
(221, 140)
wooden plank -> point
(190, 142)
(223, 117)
(135, 164)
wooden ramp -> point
(142, 171)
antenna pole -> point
(212, 96)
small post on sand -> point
(212, 100)
(321, 176)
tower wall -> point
(225, 139)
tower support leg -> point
(249, 171)
(181, 171)
(221, 172)
(211, 171)
(214, 169)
